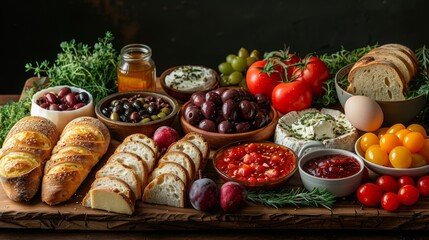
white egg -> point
(364, 113)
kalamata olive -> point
(262, 100)
(247, 110)
(64, 107)
(220, 90)
(79, 105)
(137, 104)
(127, 105)
(241, 127)
(225, 127)
(151, 109)
(208, 109)
(135, 117)
(214, 97)
(83, 97)
(219, 116)
(149, 99)
(44, 105)
(193, 115)
(118, 109)
(63, 92)
(230, 110)
(231, 94)
(51, 98)
(261, 119)
(70, 100)
(207, 125)
(198, 98)
(54, 107)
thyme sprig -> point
(296, 197)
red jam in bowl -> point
(256, 162)
(332, 166)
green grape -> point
(243, 83)
(224, 82)
(250, 61)
(230, 57)
(256, 54)
(235, 78)
(225, 68)
(243, 53)
(239, 64)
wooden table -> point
(348, 218)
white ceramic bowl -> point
(340, 187)
(61, 118)
(394, 172)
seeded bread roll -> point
(23, 155)
(165, 189)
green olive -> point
(145, 120)
(114, 116)
(154, 117)
(166, 110)
(162, 115)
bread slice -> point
(134, 162)
(405, 49)
(140, 149)
(170, 167)
(105, 199)
(201, 143)
(189, 149)
(389, 55)
(113, 184)
(181, 158)
(140, 137)
(118, 170)
(165, 189)
(377, 79)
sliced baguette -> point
(140, 149)
(118, 170)
(165, 189)
(133, 161)
(140, 137)
(201, 143)
(170, 167)
(189, 149)
(181, 158)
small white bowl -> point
(61, 118)
(394, 172)
(340, 187)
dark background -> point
(203, 32)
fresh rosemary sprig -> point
(296, 197)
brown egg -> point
(364, 113)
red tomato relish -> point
(256, 162)
(332, 166)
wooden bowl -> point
(217, 140)
(182, 95)
(121, 130)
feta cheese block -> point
(329, 126)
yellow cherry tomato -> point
(417, 128)
(377, 155)
(401, 133)
(414, 141)
(395, 127)
(425, 150)
(381, 132)
(367, 140)
(389, 141)
(417, 160)
(400, 157)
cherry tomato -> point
(405, 180)
(414, 141)
(390, 201)
(387, 183)
(425, 150)
(417, 128)
(377, 155)
(400, 157)
(367, 140)
(259, 81)
(369, 194)
(408, 195)
(314, 73)
(381, 132)
(395, 128)
(389, 141)
(402, 133)
(423, 185)
(291, 96)
(417, 160)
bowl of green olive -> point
(125, 113)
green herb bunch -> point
(80, 66)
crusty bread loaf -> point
(189, 149)
(182, 159)
(165, 189)
(134, 162)
(377, 79)
(170, 167)
(119, 170)
(23, 155)
(140, 149)
(70, 164)
(140, 137)
(201, 143)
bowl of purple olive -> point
(229, 114)
(125, 113)
(61, 104)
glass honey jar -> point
(136, 70)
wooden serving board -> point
(347, 213)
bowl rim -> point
(344, 71)
(256, 185)
(99, 114)
(326, 150)
(169, 70)
(373, 165)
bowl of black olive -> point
(125, 113)
(229, 114)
